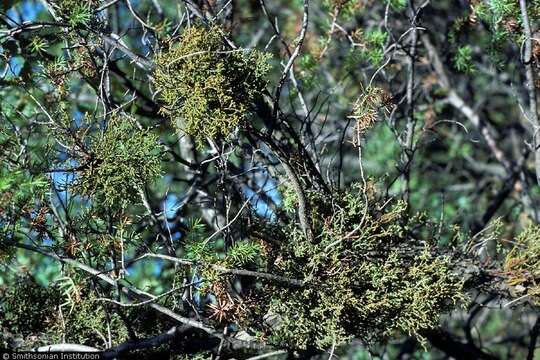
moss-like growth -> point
(206, 86)
(366, 275)
(26, 306)
(88, 320)
(522, 264)
(121, 160)
(33, 315)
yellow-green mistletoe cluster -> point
(25, 306)
(121, 160)
(207, 86)
(522, 264)
(365, 275)
(81, 320)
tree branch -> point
(531, 86)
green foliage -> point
(77, 13)
(21, 196)
(242, 253)
(366, 276)
(57, 72)
(398, 5)
(213, 253)
(26, 307)
(88, 321)
(502, 17)
(463, 59)
(379, 148)
(290, 198)
(376, 37)
(121, 160)
(372, 271)
(196, 248)
(307, 66)
(420, 293)
(208, 252)
(66, 312)
(375, 40)
(18, 188)
(522, 264)
(347, 9)
(352, 58)
(207, 87)
(38, 44)
(80, 15)
(374, 55)
(494, 11)
(503, 8)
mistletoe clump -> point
(121, 160)
(85, 318)
(26, 308)
(62, 313)
(205, 85)
(365, 275)
(522, 264)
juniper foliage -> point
(120, 161)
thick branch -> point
(66, 347)
(531, 86)
(224, 270)
(454, 348)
